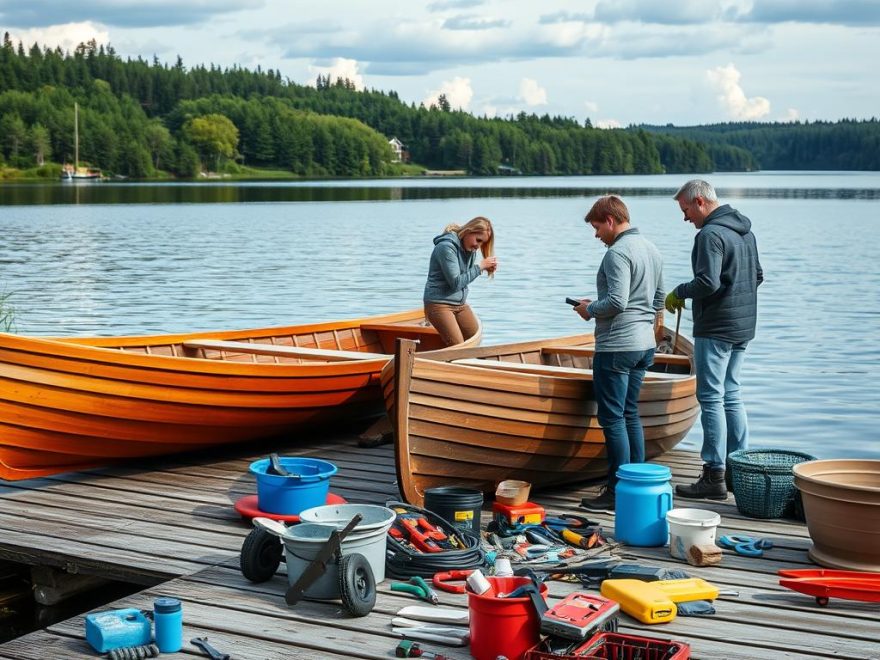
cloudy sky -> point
(615, 61)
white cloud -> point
(591, 106)
(490, 111)
(458, 92)
(532, 93)
(726, 81)
(607, 123)
(791, 114)
(340, 68)
(68, 36)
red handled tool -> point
(442, 580)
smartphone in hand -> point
(573, 302)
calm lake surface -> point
(145, 258)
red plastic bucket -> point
(503, 626)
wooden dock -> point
(169, 525)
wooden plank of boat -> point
(517, 411)
(552, 370)
(590, 352)
(284, 351)
(71, 403)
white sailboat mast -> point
(75, 137)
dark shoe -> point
(604, 502)
(710, 485)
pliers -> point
(418, 588)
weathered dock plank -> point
(172, 519)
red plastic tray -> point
(247, 508)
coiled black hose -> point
(134, 652)
(402, 562)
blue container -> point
(168, 617)
(306, 486)
(116, 629)
(643, 495)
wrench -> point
(214, 654)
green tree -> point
(214, 136)
(158, 141)
(14, 134)
(40, 144)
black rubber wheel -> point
(357, 585)
(260, 555)
(611, 625)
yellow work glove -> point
(673, 303)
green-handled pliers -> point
(418, 588)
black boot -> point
(710, 485)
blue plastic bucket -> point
(643, 495)
(306, 486)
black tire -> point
(260, 555)
(611, 625)
(357, 585)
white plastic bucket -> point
(372, 516)
(689, 527)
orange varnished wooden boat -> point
(67, 404)
(478, 416)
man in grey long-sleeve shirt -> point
(628, 317)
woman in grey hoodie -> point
(453, 266)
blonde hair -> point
(475, 226)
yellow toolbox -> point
(641, 600)
(680, 591)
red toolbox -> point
(518, 514)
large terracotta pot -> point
(842, 506)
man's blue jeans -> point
(723, 415)
(617, 381)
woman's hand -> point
(489, 264)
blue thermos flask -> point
(168, 619)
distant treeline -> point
(848, 144)
(143, 119)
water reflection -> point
(411, 190)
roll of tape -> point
(478, 582)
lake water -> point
(146, 258)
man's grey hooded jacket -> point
(727, 274)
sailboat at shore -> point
(74, 173)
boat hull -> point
(473, 426)
(68, 404)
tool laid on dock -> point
(410, 649)
(747, 546)
(417, 587)
(579, 615)
(823, 584)
(210, 651)
(442, 581)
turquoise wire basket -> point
(763, 482)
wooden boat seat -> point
(398, 328)
(551, 370)
(589, 352)
(325, 354)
